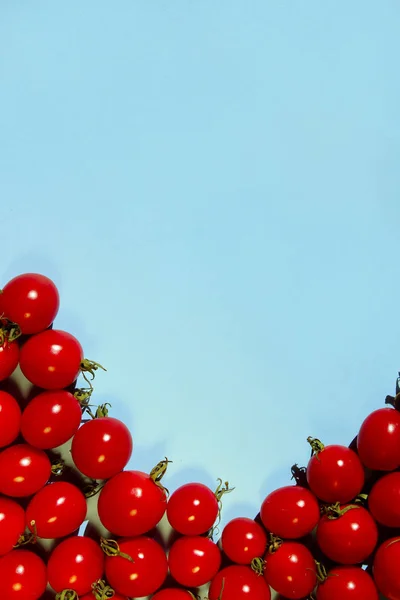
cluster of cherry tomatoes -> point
(333, 535)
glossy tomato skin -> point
(290, 512)
(291, 570)
(32, 301)
(51, 419)
(142, 577)
(10, 419)
(238, 582)
(9, 357)
(58, 510)
(52, 359)
(172, 594)
(12, 524)
(192, 509)
(75, 564)
(350, 538)
(243, 540)
(22, 576)
(194, 560)
(141, 504)
(378, 441)
(347, 583)
(24, 470)
(335, 474)
(102, 447)
(386, 568)
(384, 500)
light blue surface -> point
(214, 186)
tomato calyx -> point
(322, 574)
(158, 472)
(9, 331)
(316, 446)
(223, 488)
(258, 565)
(335, 511)
(299, 474)
(102, 591)
(111, 548)
(88, 370)
(28, 538)
(57, 468)
(92, 489)
(67, 595)
(275, 543)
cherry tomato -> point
(335, 474)
(32, 301)
(12, 524)
(24, 470)
(240, 583)
(386, 568)
(243, 540)
(290, 570)
(192, 509)
(102, 447)
(58, 510)
(10, 419)
(75, 564)
(142, 577)
(290, 512)
(22, 576)
(347, 583)
(349, 538)
(52, 359)
(51, 419)
(378, 441)
(172, 594)
(141, 503)
(194, 560)
(9, 357)
(384, 500)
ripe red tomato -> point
(383, 500)
(290, 570)
(194, 560)
(347, 583)
(240, 583)
(290, 512)
(32, 301)
(51, 419)
(24, 470)
(192, 509)
(172, 594)
(141, 503)
(10, 419)
(75, 564)
(243, 540)
(383, 425)
(58, 510)
(52, 359)
(386, 568)
(22, 576)
(9, 357)
(349, 538)
(142, 577)
(12, 524)
(102, 447)
(335, 474)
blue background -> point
(214, 187)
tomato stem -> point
(102, 591)
(111, 548)
(90, 367)
(58, 468)
(219, 492)
(258, 565)
(93, 488)
(158, 472)
(275, 543)
(335, 511)
(67, 595)
(299, 475)
(28, 538)
(316, 446)
(9, 331)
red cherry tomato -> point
(347, 583)
(75, 564)
(32, 301)
(102, 447)
(335, 474)
(12, 524)
(22, 576)
(9, 357)
(57, 510)
(192, 509)
(386, 568)
(290, 512)
(52, 359)
(24, 470)
(243, 540)
(51, 419)
(10, 419)
(291, 570)
(383, 425)
(141, 503)
(349, 538)
(142, 577)
(240, 583)
(172, 594)
(194, 560)
(384, 500)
